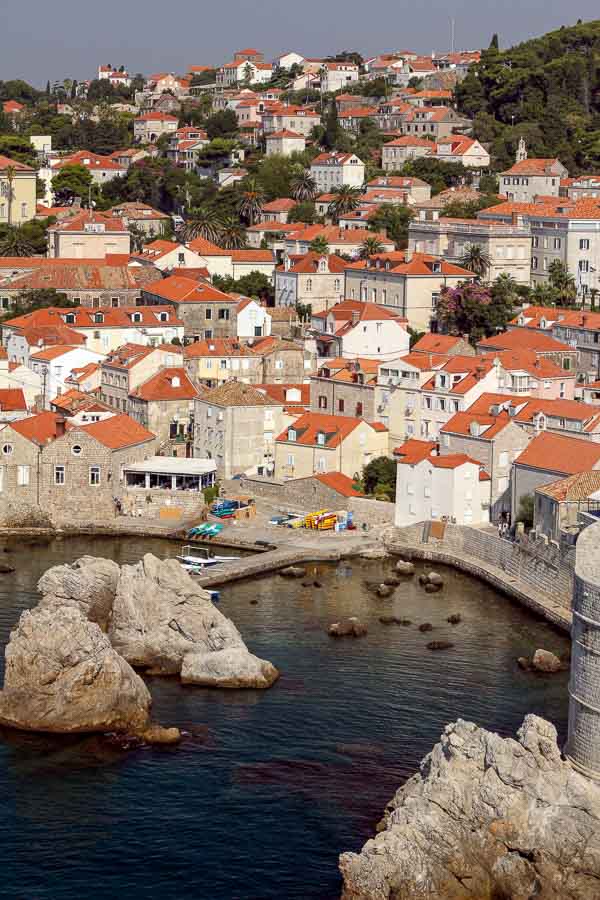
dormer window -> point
(136, 317)
(436, 267)
(175, 381)
(98, 318)
(320, 438)
(291, 434)
(70, 318)
(163, 317)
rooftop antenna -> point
(452, 29)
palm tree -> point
(319, 245)
(232, 235)
(371, 246)
(15, 243)
(251, 202)
(476, 260)
(304, 186)
(204, 222)
(563, 283)
(345, 199)
(10, 175)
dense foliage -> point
(546, 90)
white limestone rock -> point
(63, 676)
(89, 583)
(233, 667)
(485, 817)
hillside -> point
(551, 86)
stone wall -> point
(161, 504)
(539, 565)
(307, 494)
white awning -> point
(173, 465)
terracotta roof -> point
(156, 117)
(533, 167)
(40, 429)
(408, 141)
(12, 400)
(559, 453)
(127, 356)
(574, 487)
(282, 204)
(435, 343)
(340, 483)
(241, 256)
(82, 221)
(414, 451)
(118, 432)
(279, 392)
(418, 264)
(285, 133)
(469, 370)
(167, 384)
(528, 361)
(51, 353)
(308, 264)
(216, 347)
(207, 248)
(488, 426)
(335, 429)
(86, 317)
(335, 235)
(5, 163)
(85, 275)
(236, 393)
(518, 339)
(186, 290)
(90, 161)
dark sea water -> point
(270, 786)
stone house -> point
(437, 121)
(277, 210)
(101, 168)
(494, 441)
(345, 387)
(409, 282)
(558, 352)
(151, 222)
(20, 206)
(282, 117)
(412, 190)
(164, 404)
(89, 235)
(166, 255)
(131, 365)
(529, 178)
(215, 361)
(547, 458)
(148, 127)
(347, 241)
(331, 170)
(284, 361)
(398, 395)
(21, 445)
(312, 279)
(206, 312)
(316, 443)
(559, 506)
(508, 247)
(284, 143)
(253, 319)
(235, 425)
(395, 153)
(82, 469)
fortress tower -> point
(583, 745)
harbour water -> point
(268, 787)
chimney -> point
(355, 317)
(60, 426)
(408, 255)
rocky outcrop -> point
(351, 627)
(62, 675)
(164, 622)
(90, 584)
(545, 661)
(485, 817)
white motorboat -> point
(194, 557)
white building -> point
(330, 170)
(243, 71)
(284, 143)
(55, 364)
(360, 330)
(429, 486)
(337, 75)
(253, 320)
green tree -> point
(304, 186)
(14, 242)
(371, 246)
(204, 222)
(251, 201)
(494, 45)
(440, 175)
(474, 309)
(333, 130)
(319, 245)
(345, 200)
(380, 474)
(72, 181)
(233, 235)
(303, 212)
(526, 509)
(563, 283)
(222, 124)
(393, 220)
(476, 260)
(255, 285)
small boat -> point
(199, 557)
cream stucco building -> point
(17, 192)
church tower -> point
(521, 151)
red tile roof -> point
(90, 161)
(335, 428)
(414, 451)
(186, 290)
(40, 429)
(339, 483)
(118, 432)
(6, 163)
(12, 400)
(282, 204)
(559, 453)
(308, 263)
(435, 343)
(518, 339)
(51, 353)
(167, 384)
(279, 393)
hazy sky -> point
(69, 38)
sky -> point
(70, 38)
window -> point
(23, 210)
(76, 450)
(557, 243)
(70, 318)
(222, 363)
(279, 364)
(224, 315)
(95, 475)
(340, 405)
(207, 335)
(359, 409)
(308, 285)
(22, 476)
(336, 284)
(320, 439)
(7, 449)
(59, 474)
(114, 302)
(208, 314)
(322, 401)
(534, 262)
(181, 258)
(290, 460)
(584, 244)
(584, 265)
(96, 335)
(503, 460)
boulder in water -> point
(384, 590)
(440, 645)
(89, 583)
(544, 661)
(63, 676)
(405, 568)
(231, 667)
(351, 627)
(485, 817)
(293, 572)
